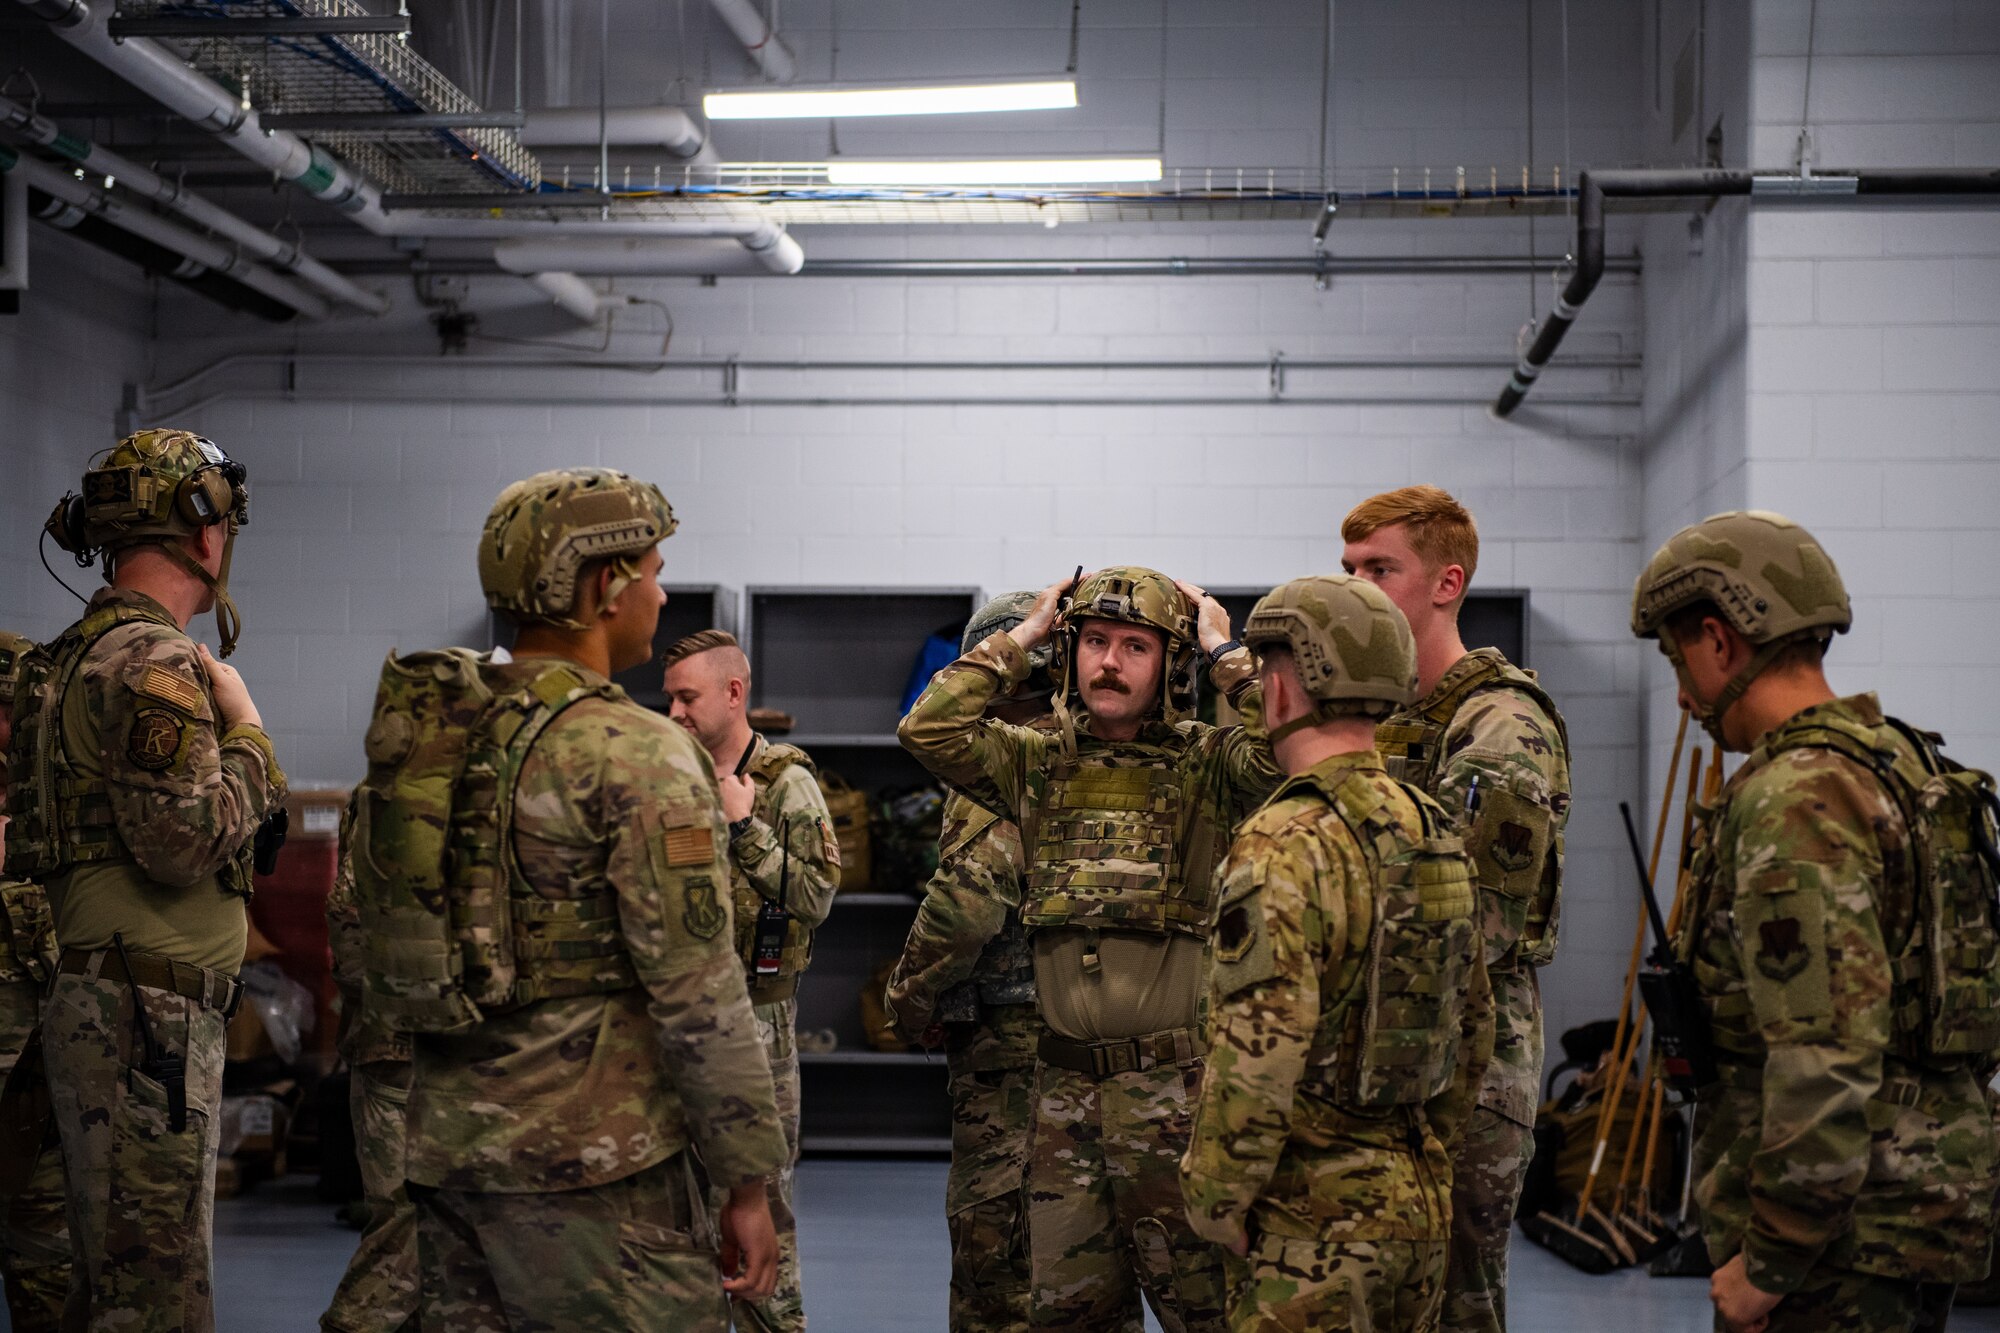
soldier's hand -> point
(739, 796)
(1744, 1308)
(1032, 632)
(232, 696)
(749, 1244)
(1211, 618)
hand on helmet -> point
(1033, 632)
(1211, 617)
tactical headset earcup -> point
(66, 524)
(204, 498)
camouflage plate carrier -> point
(62, 818)
(1005, 972)
(452, 929)
(1412, 748)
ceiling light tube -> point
(911, 100)
(1051, 171)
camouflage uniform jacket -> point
(757, 860)
(579, 1091)
(1271, 1152)
(1503, 736)
(183, 793)
(27, 957)
(1823, 1145)
(966, 950)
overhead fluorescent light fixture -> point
(906, 100)
(1051, 171)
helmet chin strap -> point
(1710, 716)
(228, 621)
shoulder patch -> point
(703, 915)
(155, 740)
(690, 845)
(169, 686)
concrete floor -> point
(877, 1260)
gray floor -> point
(876, 1261)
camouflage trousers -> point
(34, 1234)
(141, 1197)
(1106, 1220)
(1310, 1286)
(379, 1291)
(784, 1310)
(637, 1253)
(992, 1070)
(1487, 1168)
(1839, 1300)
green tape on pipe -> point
(8, 157)
(71, 147)
(318, 177)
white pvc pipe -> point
(764, 45)
(130, 175)
(668, 127)
(576, 296)
(645, 254)
(160, 74)
(211, 254)
(774, 248)
(630, 256)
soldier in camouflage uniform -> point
(1124, 812)
(551, 1141)
(783, 859)
(141, 772)
(967, 979)
(380, 1291)
(1350, 1020)
(1845, 1159)
(1486, 742)
(34, 1238)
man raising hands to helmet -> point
(1125, 807)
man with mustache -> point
(1125, 806)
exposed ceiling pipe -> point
(577, 297)
(668, 127)
(1594, 187)
(758, 38)
(158, 72)
(693, 257)
(651, 255)
(255, 241)
(203, 250)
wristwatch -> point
(739, 827)
(1223, 650)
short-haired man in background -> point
(784, 867)
(1486, 741)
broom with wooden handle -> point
(1570, 1240)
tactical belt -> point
(191, 980)
(774, 992)
(1102, 1059)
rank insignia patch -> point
(155, 741)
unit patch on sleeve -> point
(155, 740)
(1782, 953)
(703, 915)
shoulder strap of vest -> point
(775, 757)
(1491, 667)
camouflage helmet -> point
(154, 485)
(1003, 613)
(1133, 595)
(543, 530)
(13, 648)
(1766, 577)
(1352, 647)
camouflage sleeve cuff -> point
(1236, 672)
(1002, 656)
(1773, 1267)
(274, 777)
(756, 840)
